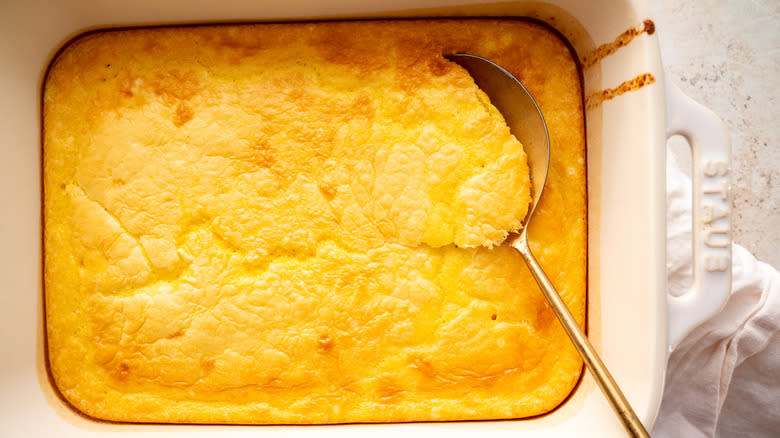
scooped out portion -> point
(301, 223)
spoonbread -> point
(302, 223)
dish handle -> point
(711, 176)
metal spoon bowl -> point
(526, 123)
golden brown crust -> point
(254, 224)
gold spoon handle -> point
(592, 360)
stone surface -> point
(726, 55)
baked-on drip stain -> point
(638, 82)
(623, 39)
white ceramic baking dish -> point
(627, 313)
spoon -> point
(526, 122)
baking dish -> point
(627, 315)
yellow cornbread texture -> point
(301, 223)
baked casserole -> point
(301, 223)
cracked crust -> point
(281, 224)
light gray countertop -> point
(725, 54)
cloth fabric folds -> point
(723, 380)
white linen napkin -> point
(723, 380)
